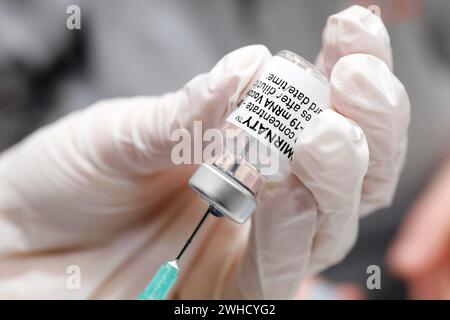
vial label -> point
(280, 105)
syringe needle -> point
(167, 275)
(188, 242)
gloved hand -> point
(421, 253)
(98, 190)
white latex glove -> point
(98, 190)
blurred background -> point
(142, 47)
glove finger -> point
(331, 160)
(137, 135)
(364, 90)
(335, 236)
(353, 30)
(280, 241)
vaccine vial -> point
(260, 135)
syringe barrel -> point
(162, 282)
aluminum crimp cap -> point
(223, 192)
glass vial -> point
(261, 134)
